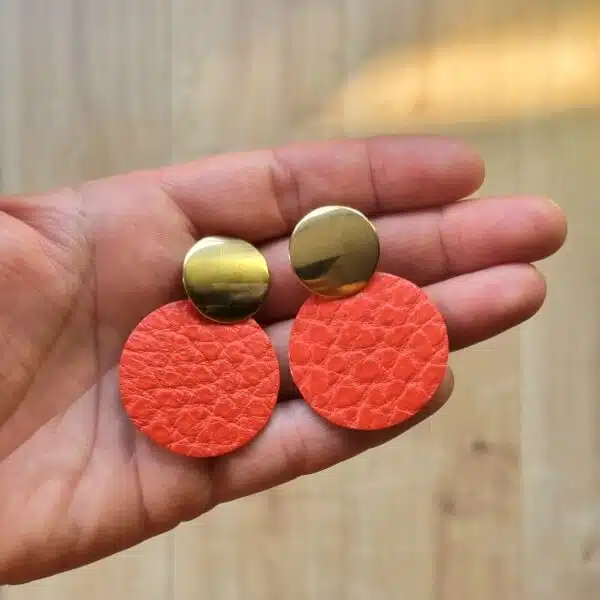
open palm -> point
(80, 268)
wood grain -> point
(504, 502)
(484, 77)
(244, 75)
(86, 89)
(561, 418)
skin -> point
(79, 268)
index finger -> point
(260, 195)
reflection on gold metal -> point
(334, 251)
(534, 70)
(227, 279)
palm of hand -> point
(79, 269)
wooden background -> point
(503, 502)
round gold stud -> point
(227, 279)
(334, 251)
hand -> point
(79, 268)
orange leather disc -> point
(373, 360)
(196, 387)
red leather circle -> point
(196, 387)
(373, 360)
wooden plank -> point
(561, 418)
(244, 75)
(463, 495)
(89, 89)
(9, 62)
(142, 572)
(536, 61)
(86, 93)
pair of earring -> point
(367, 349)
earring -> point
(199, 376)
(368, 350)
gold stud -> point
(334, 251)
(227, 279)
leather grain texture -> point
(373, 360)
(196, 387)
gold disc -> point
(334, 251)
(227, 279)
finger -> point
(479, 306)
(298, 442)
(432, 245)
(475, 307)
(260, 195)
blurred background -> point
(498, 497)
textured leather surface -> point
(196, 387)
(373, 360)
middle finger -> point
(432, 245)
